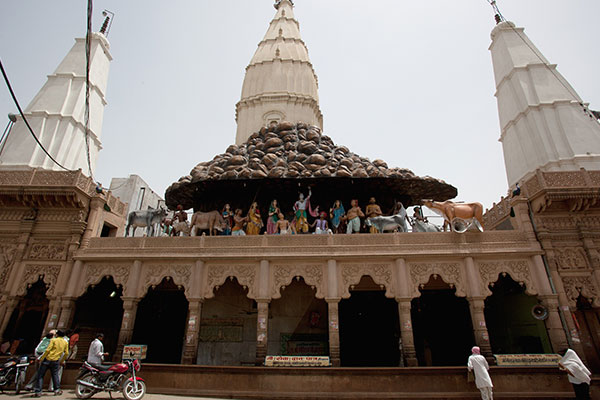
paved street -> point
(70, 394)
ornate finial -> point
(497, 14)
(278, 3)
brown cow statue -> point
(212, 220)
(459, 216)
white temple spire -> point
(544, 123)
(56, 114)
(280, 82)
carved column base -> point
(554, 326)
(409, 353)
(127, 325)
(9, 308)
(67, 312)
(262, 325)
(334, 332)
(192, 329)
(480, 331)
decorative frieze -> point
(155, 273)
(7, 258)
(48, 251)
(451, 273)
(352, 273)
(518, 270)
(283, 274)
(580, 285)
(33, 272)
(93, 274)
(572, 258)
(216, 275)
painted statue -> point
(255, 222)
(300, 209)
(227, 215)
(238, 223)
(283, 226)
(212, 220)
(336, 214)
(180, 224)
(145, 218)
(353, 217)
(322, 227)
(372, 211)
(459, 216)
(273, 217)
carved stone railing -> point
(497, 213)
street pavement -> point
(70, 394)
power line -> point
(88, 39)
(12, 93)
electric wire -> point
(14, 97)
(88, 39)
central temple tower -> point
(280, 83)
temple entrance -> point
(160, 322)
(442, 325)
(99, 309)
(588, 322)
(26, 324)
(228, 327)
(511, 325)
(369, 327)
(298, 322)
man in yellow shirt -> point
(56, 353)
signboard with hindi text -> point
(526, 360)
(297, 361)
(135, 352)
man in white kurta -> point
(96, 352)
(478, 364)
(579, 375)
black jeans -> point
(582, 391)
(53, 367)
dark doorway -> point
(160, 322)
(442, 326)
(99, 309)
(369, 327)
(27, 321)
(511, 325)
(588, 322)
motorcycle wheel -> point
(85, 392)
(130, 393)
(20, 382)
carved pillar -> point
(262, 327)
(482, 337)
(130, 306)
(406, 332)
(334, 331)
(53, 313)
(96, 207)
(554, 325)
(10, 304)
(67, 312)
(192, 329)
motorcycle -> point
(110, 378)
(14, 370)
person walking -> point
(55, 355)
(64, 336)
(578, 374)
(39, 351)
(96, 352)
(478, 364)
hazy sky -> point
(409, 82)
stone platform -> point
(347, 383)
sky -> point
(409, 82)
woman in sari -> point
(273, 218)
(336, 214)
(255, 222)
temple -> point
(527, 284)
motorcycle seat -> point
(102, 367)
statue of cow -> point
(145, 218)
(423, 226)
(459, 216)
(212, 220)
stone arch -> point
(273, 115)
(451, 273)
(47, 273)
(216, 275)
(584, 286)
(351, 274)
(94, 273)
(283, 274)
(154, 274)
(518, 270)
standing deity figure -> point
(228, 218)
(255, 222)
(336, 214)
(238, 223)
(180, 224)
(273, 217)
(354, 215)
(373, 210)
(300, 206)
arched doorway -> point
(588, 322)
(160, 322)
(228, 327)
(442, 326)
(99, 309)
(369, 327)
(27, 321)
(511, 325)
(298, 322)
